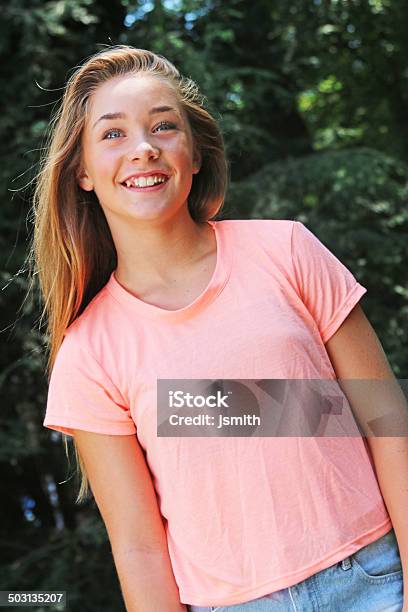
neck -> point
(159, 254)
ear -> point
(197, 161)
(85, 181)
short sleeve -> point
(327, 288)
(82, 396)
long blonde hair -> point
(72, 253)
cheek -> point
(104, 165)
(180, 148)
(184, 160)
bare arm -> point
(356, 353)
(123, 490)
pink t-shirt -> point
(245, 516)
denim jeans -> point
(369, 580)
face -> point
(128, 131)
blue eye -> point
(110, 132)
(166, 124)
(171, 126)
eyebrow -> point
(153, 111)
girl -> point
(140, 286)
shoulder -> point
(268, 234)
(266, 226)
(85, 356)
(87, 330)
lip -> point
(139, 174)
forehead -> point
(136, 91)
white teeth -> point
(144, 181)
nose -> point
(142, 148)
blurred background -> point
(312, 98)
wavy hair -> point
(72, 253)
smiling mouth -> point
(147, 187)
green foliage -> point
(79, 562)
(355, 76)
